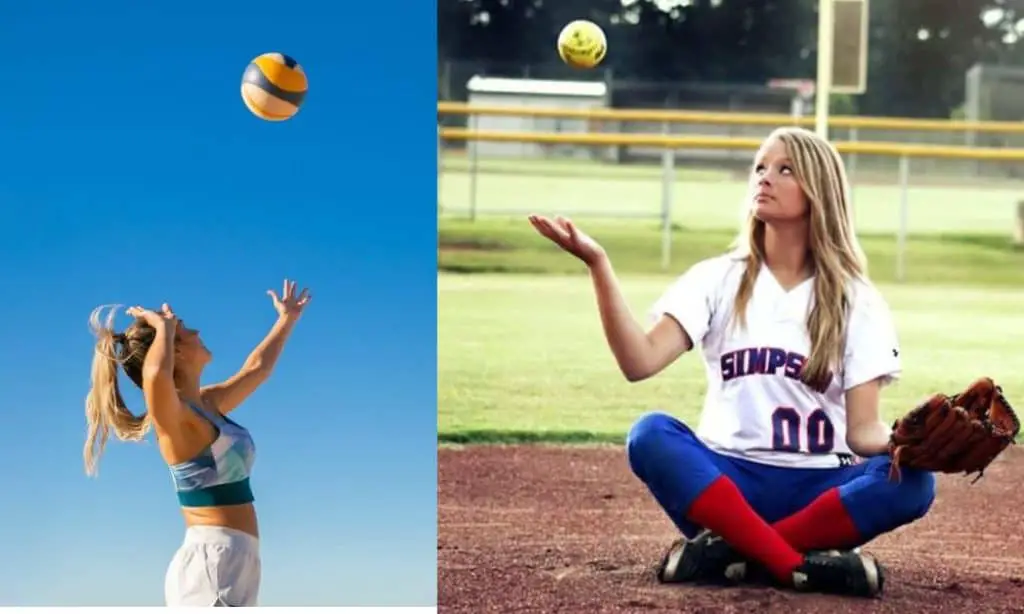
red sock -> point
(722, 509)
(823, 525)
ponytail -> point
(105, 409)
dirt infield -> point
(548, 529)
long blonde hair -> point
(836, 255)
(105, 409)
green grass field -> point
(521, 356)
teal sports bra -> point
(219, 475)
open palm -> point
(290, 303)
(563, 233)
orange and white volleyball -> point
(274, 86)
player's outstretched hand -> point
(563, 233)
(290, 303)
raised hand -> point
(563, 233)
(289, 303)
(164, 317)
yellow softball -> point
(582, 44)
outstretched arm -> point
(639, 353)
(229, 394)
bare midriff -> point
(239, 517)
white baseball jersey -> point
(756, 407)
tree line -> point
(919, 50)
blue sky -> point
(133, 173)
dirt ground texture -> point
(569, 529)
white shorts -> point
(216, 566)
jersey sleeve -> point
(689, 300)
(872, 344)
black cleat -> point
(706, 558)
(836, 572)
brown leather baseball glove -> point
(962, 433)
